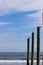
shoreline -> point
(17, 61)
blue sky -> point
(17, 21)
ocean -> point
(15, 58)
(13, 55)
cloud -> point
(37, 16)
(4, 23)
(8, 6)
(30, 21)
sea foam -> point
(17, 61)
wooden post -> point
(32, 49)
(42, 58)
(38, 45)
(28, 50)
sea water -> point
(13, 55)
(15, 58)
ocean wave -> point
(17, 61)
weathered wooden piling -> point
(42, 58)
(32, 49)
(28, 50)
(38, 45)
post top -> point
(38, 26)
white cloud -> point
(7, 6)
(37, 15)
(4, 23)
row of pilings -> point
(32, 48)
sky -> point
(18, 19)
